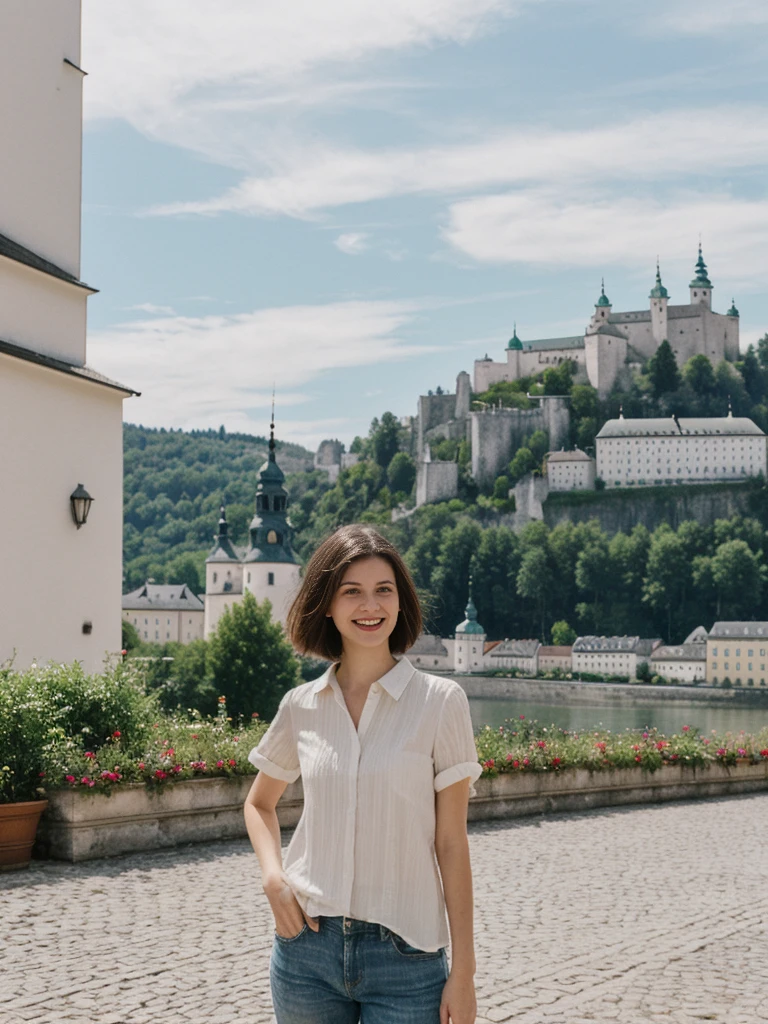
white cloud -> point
(549, 228)
(150, 307)
(205, 371)
(670, 145)
(709, 17)
(151, 57)
(352, 243)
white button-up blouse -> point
(365, 844)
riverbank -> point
(571, 692)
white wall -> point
(159, 625)
(630, 461)
(58, 432)
(280, 593)
(40, 118)
(686, 671)
(42, 313)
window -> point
(270, 579)
(249, 577)
(157, 634)
(714, 652)
(168, 622)
(167, 636)
(146, 622)
(157, 622)
(215, 577)
(272, 537)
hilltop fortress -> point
(612, 347)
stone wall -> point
(436, 481)
(432, 411)
(496, 435)
(618, 511)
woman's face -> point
(365, 606)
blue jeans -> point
(352, 971)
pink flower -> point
(160, 774)
(516, 764)
(255, 714)
(526, 762)
(70, 778)
(542, 744)
(235, 739)
(686, 728)
(601, 746)
(509, 757)
(638, 758)
(742, 752)
(721, 751)
(219, 764)
(635, 746)
(85, 781)
(176, 769)
(89, 753)
(194, 736)
(645, 735)
(555, 762)
(522, 718)
(142, 766)
(660, 745)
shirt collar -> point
(394, 681)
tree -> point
(401, 473)
(535, 582)
(559, 380)
(501, 487)
(762, 351)
(538, 443)
(130, 637)
(385, 439)
(752, 375)
(736, 573)
(186, 683)
(562, 634)
(662, 371)
(699, 375)
(522, 463)
(667, 573)
(251, 662)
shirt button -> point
(375, 688)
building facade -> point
(60, 420)
(612, 655)
(612, 342)
(555, 658)
(433, 654)
(570, 471)
(641, 452)
(268, 568)
(163, 613)
(686, 663)
(517, 654)
(738, 651)
(469, 641)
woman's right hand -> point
(288, 914)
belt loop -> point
(383, 932)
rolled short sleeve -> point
(277, 754)
(455, 754)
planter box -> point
(82, 825)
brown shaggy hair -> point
(310, 629)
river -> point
(667, 716)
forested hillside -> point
(664, 583)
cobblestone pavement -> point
(652, 914)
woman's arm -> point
(452, 850)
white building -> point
(518, 654)
(686, 663)
(612, 342)
(570, 471)
(640, 452)
(612, 655)
(559, 658)
(60, 420)
(268, 569)
(431, 653)
(165, 612)
(738, 651)
(469, 641)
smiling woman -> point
(387, 758)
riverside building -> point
(738, 651)
(165, 612)
(641, 452)
(612, 655)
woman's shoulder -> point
(435, 687)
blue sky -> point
(355, 200)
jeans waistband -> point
(352, 926)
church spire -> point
(270, 529)
(603, 300)
(701, 280)
(659, 291)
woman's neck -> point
(362, 666)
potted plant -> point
(22, 770)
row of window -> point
(270, 579)
(738, 666)
(157, 622)
(750, 651)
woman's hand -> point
(289, 917)
(458, 1005)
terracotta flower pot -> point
(18, 825)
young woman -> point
(387, 759)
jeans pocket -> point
(410, 952)
(291, 938)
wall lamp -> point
(80, 501)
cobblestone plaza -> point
(647, 914)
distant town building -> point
(268, 568)
(612, 655)
(165, 612)
(430, 653)
(614, 341)
(738, 651)
(570, 471)
(469, 647)
(517, 654)
(639, 452)
(331, 458)
(60, 420)
(686, 663)
(558, 658)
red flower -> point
(542, 744)
(660, 745)
(686, 728)
(638, 758)
(70, 778)
(232, 762)
(41, 775)
(89, 753)
(555, 762)
(635, 746)
(141, 765)
(486, 764)
(255, 714)
(516, 764)
(721, 751)
(85, 781)
(509, 757)
(160, 774)
(601, 746)
(194, 737)
(235, 739)
(522, 718)
(219, 764)
(526, 762)
(764, 753)
(116, 734)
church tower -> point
(659, 298)
(223, 576)
(701, 286)
(602, 308)
(468, 651)
(270, 566)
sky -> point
(352, 201)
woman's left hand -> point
(458, 1005)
